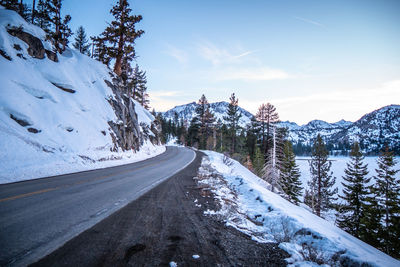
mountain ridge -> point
(373, 130)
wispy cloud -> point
(310, 21)
(164, 93)
(179, 54)
(251, 74)
(219, 56)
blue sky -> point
(326, 60)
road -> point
(167, 224)
(38, 216)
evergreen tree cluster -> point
(114, 45)
(47, 15)
(371, 211)
(261, 146)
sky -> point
(327, 60)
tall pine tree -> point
(387, 195)
(320, 195)
(290, 174)
(232, 117)
(205, 120)
(56, 27)
(140, 87)
(81, 42)
(118, 39)
(355, 193)
(268, 117)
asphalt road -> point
(38, 216)
(167, 224)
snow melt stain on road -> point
(247, 205)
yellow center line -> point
(76, 183)
(29, 194)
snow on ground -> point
(248, 206)
(45, 130)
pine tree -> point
(355, 193)
(252, 136)
(58, 31)
(232, 117)
(268, 116)
(321, 183)
(258, 162)
(81, 42)
(387, 195)
(119, 37)
(42, 17)
(193, 133)
(206, 120)
(140, 87)
(100, 51)
(290, 175)
(65, 31)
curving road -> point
(38, 216)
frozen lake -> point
(338, 167)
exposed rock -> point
(17, 47)
(4, 54)
(36, 48)
(20, 121)
(64, 88)
(33, 130)
(127, 133)
(51, 55)
(20, 55)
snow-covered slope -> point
(187, 112)
(247, 205)
(54, 116)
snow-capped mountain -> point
(308, 132)
(373, 130)
(59, 112)
(187, 112)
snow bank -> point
(54, 115)
(248, 206)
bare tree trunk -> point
(118, 61)
(318, 209)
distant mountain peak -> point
(186, 112)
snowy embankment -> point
(54, 115)
(248, 206)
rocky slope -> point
(59, 112)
